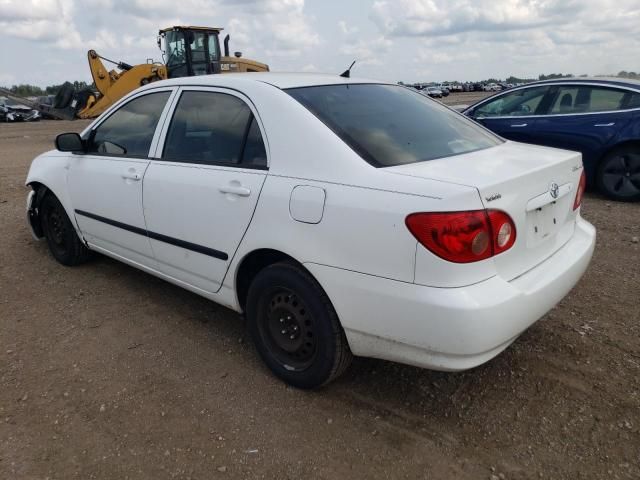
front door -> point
(105, 184)
(516, 129)
(201, 191)
(512, 115)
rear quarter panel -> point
(362, 227)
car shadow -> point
(386, 389)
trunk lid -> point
(535, 185)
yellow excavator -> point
(187, 51)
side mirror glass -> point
(70, 142)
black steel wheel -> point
(62, 239)
(619, 174)
(287, 329)
(295, 328)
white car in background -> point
(491, 87)
(341, 216)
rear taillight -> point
(580, 192)
(463, 237)
(503, 231)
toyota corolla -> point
(341, 217)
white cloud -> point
(368, 52)
(411, 40)
(44, 20)
(438, 17)
(30, 10)
(519, 37)
(346, 29)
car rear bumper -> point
(451, 328)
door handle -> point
(605, 124)
(236, 190)
(135, 176)
(519, 125)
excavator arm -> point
(201, 56)
(112, 85)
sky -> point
(45, 41)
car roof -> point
(279, 80)
(614, 81)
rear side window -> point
(606, 99)
(634, 101)
(212, 128)
(587, 99)
(254, 153)
(390, 125)
(129, 131)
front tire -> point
(295, 328)
(62, 239)
(619, 174)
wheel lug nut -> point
(282, 320)
(292, 337)
(295, 327)
(283, 332)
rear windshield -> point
(391, 125)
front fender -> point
(49, 170)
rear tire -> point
(619, 174)
(295, 328)
(62, 239)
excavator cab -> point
(187, 51)
(191, 50)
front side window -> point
(391, 125)
(130, 129)
(524, 102)
(214, 128)
(587, 99)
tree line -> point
(552, 76)
(26, 90)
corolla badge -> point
(554, 190)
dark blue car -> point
(599, 117)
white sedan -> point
(340, 216)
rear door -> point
(512, 115)
(202, 188)
(105, 184)
(584, 118)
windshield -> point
(391, 125)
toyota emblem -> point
(554, 190)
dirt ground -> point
(464, 98)
(106, 372)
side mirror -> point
(70, 142)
